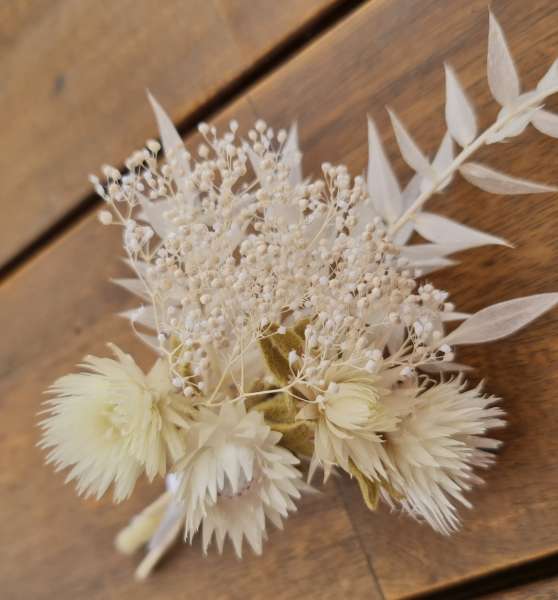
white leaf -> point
(453, 316)
(410, 152)
(149, 340)
(152, 213)
(460, 115)
(402, 235)
(411, 191)
(496, 182)
(255, 161)
(138, 266)
(383, 186)
(426, 251)
(429, 265)
(550, 79)
(440, 164)
(444, 158)
(502, 76)
(174, 149)
(409, 195)
(291, 156)
(500, 320)
(396, 338)
(546, 122)
(144, 315)
(170, 138)
(442, 230)
(135, 286)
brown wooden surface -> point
(540, 590)
(74, 75)
(61, 305)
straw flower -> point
(234, 476)
(436, 447)
(113, 423)
(351, 417)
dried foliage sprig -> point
(292, 330)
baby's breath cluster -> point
(235, 243)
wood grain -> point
(387, 52)
(74, 76)
(540, 590)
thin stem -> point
(464, 155)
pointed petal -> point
(382, 183)
(460, 114)
(502, 75)
(410, 152)
(496, 182)
(500, 320)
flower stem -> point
(464, 155)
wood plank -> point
(61, 546)
(539, 590)
(378, 55)
(74, 71)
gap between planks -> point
(502, 581)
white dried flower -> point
(234, 477)
(113, 423)
(351, 417)
(436, 447)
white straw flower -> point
(234, 476)
(113, 423)
(351, 418)
(437, 445)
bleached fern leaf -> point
(460, 114)
(383, 186)
(153, 213)
(440, 164)
(496, 182)
(550, 78)
(429, 265)
(410, 152)
(292, 156)
(144, 315)
(546, 122)
(500, 320)
(502, 75)
(170, 138)
(425, 251)
(444, 231)
(134, 286)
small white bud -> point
(153, 145)
(406, 372)
(105, 217)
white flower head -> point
(436, 447)
(234, 476)
(113, 423)
(351, 418)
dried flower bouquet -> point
(294, 329)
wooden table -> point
(73, 75)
